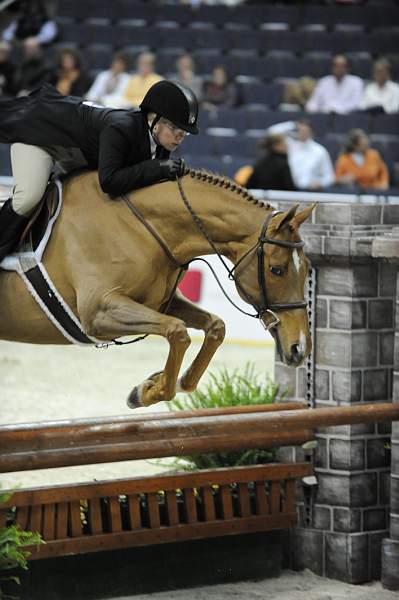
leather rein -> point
(262, 309)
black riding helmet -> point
(174, 102)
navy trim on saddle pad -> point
(54, 306)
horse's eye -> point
(276, 271)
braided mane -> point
(226, 183)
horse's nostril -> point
(295, 352)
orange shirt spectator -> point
(360, 165)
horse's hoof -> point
(134, 398)
(179, 388)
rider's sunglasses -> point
(175, 130)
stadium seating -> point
(262, 45)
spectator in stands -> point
(359, 165)
(381, 95)
(6, 70)
(112, 82)
(272, 171)
(220, 90)
(70, 78)
(336, 93)
(186, 74)
(297, 93)
(33, 23)
(309, 161)
(32, 70)
(138, 84)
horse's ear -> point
(303, 215)
(285, 217)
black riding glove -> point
(172, 168)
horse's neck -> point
(229, 219)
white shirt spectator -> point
(309, 161)
(333, 95)
(107, 84)
(386, 96)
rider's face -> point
(168, 136)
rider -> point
(129, 148)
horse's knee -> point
(216, 329)
(176, 332)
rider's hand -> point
(172, 168)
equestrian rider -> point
(129, 148)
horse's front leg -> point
(214, 329)
(118, 315)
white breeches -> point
(31, 168)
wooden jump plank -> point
(289, 497)
(3, 517)
(114, 511)
(49, 522)
(127, 539)
(75, 518)
(227, 503)
(35, 524)
(134, 511)
(262, 504)
(22, 517)
(153, 510)
(190, 505)
(149, 446)
(243, 498)
(33, 436)
(270, 472)
(61, 524)
(171, 507)
(274, 497)
(209, 503)
(95, 519)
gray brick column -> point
(341, 529)
(388, 248)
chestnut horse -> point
(119, 280)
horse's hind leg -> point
(117, 316)
(214, 329)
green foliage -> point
(226, 389)
(13, 553)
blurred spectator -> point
(32, 70)
(220, 90)
(70, 79)
(337, 93)
(272, 171)
(382, 94)
(186, 74)
(360, 165)
(297, 93)
(6, 70)
(309, 161)
(138, 84)
(112, 82)
(33, 22)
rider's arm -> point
(116, 178)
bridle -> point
(264, 307)
(267, 307)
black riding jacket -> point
(114, 142)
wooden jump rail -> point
(89, 517)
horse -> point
(118, 271)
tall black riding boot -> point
(12, 226)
